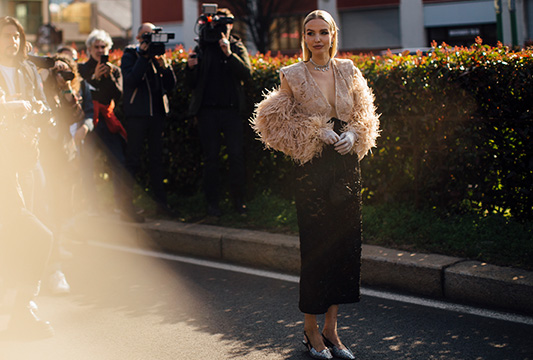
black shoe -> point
(130, 215)
(214, 210)
(24, 323)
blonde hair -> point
(322, 15)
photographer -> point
(25, 242)
(216, 72)
(105, 80)
(72, 108)
(148, 78)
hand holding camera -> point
(154, 43)
(102, 69)
(212, 26)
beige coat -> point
(293, 123)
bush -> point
(456, 131)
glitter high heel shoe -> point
(324, 354)
(345, 354)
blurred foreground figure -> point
(72, 108)
(25, 242)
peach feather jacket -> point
(293, 123)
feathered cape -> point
(284, 125)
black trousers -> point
(216, 125)
(112, 145)
(149, 128)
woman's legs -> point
(313, 333)
(330, 327)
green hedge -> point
(456, 131)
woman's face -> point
(318, 37)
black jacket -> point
(237, 68)
(146, 85)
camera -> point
(157, 40)
(66, 75)
(42, 62)
(211, 25)
(40, 116)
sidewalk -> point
(434, 276)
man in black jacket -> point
(216, 73)
(148, 78)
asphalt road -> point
(127, 306)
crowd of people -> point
(56, 115)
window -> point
(28, 13)
(286, 33)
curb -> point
(436, 276)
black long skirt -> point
(328, 205)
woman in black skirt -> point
(323, 117)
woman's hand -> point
(346, 142)
(328, 136)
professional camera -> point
(66, 75)
(42, 62)
(210, 26)
(157, 40)
(47, 62)
(40, 116)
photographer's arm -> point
(164, 66)
(239, 62)
(133, 68)
(114, 83)
(38, 92)
(87, 106)
(191, 70)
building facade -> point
(365, 25)
(75, 19)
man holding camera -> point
(216, 72)
(148, 78)
(105, 80)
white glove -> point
(345, 143)
(328, 136)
